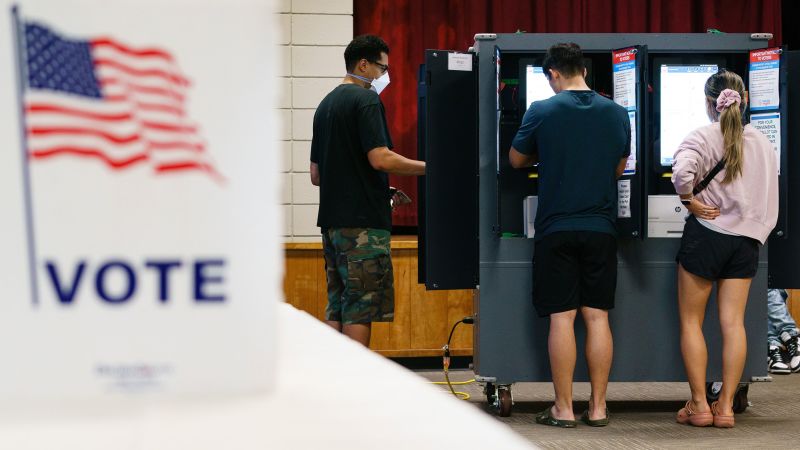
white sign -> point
(630, 165)
(139, 198)
(764, 79)
(770, 125)
(624, 198)
(459, 61)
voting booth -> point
(476, 217)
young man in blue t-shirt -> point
(581, 142)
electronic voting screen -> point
(536, 86)
(683, 104)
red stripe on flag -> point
(161, 108)
(177, 145)
(186, 166)
(143, 89)
(168, 127)
(182, 166)
(44, 131)
(44, 108)
(176, 110)
(89, 153)
(171, 77)
(108, 42)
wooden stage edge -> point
(423, 318)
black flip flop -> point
(594, 423)
(546, 418)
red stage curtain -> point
(411, 26)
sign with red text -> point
(624, 64)
(764, 79)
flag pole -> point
(19, 49)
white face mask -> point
(379, 84)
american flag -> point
(103, 100)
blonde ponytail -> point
(725, 90)
(730, 121)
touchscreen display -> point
(536, 86)
(683, 104)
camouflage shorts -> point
(359, 271)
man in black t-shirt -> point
(350, 158)
(581, 142)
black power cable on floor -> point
(469, 320)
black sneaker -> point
(792, 351)
(776, 363)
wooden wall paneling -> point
(393, 338)
(434, 314)
(793, 303)
(422, 318)
(322, 287)
(459, 306)
(430, 318)
(301, 279)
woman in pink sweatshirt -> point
(731, 218)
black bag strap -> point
(703, 184)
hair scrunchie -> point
(727, 98)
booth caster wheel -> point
(491, 393)
(499, 397)
(504, 400)
(740, 402)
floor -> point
(643, 416)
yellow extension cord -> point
(459, 394)
(446, 365)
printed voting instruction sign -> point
(764, 78)
(624, 198)
(770, 125)
(625, 95)
(625, 78)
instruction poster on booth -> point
(625, 78)
(770, 125)
(624, 198)
(764, 79)
(625, 95)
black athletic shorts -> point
(573, 269)
(712, 255)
